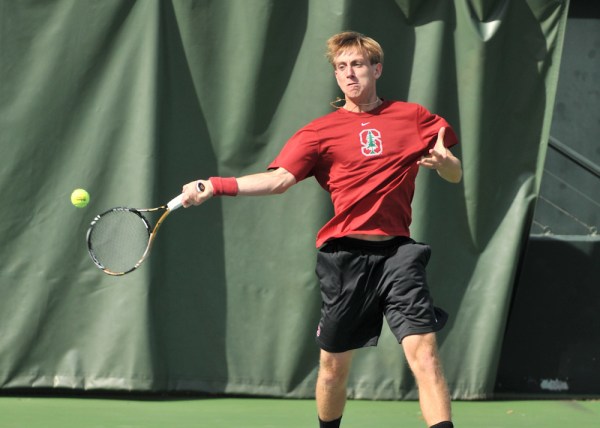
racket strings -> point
(119, 239)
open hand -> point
(442, 160)
(437, 156)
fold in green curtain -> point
(132, 99)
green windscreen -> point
(132, 99)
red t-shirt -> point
(367, 162)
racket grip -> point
(175, 203)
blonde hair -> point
(350, 40)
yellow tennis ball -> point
(80, 198)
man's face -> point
(356, 76)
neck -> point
(362, 107)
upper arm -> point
(299, 155)
(283, 179)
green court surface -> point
(54, 412)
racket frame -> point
(174, 204)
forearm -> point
(265, 183)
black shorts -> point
(361, 281)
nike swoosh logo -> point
(364, 123)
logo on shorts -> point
(370, 140)
(319, 330)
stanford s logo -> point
(370, 140)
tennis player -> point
(366, 154)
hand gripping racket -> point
(120, 239)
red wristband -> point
(224, 186)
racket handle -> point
(175, 203)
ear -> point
(378, 70)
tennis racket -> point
(119, 239)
